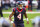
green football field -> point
(29, 15)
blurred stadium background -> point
(7, 6)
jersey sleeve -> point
(13, 10)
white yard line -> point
(26, 12)
(7, 12)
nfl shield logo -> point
(16, 11)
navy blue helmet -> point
(19, 4)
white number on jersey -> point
(19, 16)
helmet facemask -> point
(20, 6)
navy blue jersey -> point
(18, 16)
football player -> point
(4, 22)
(36, 21)
(18, 13)
(1, 9)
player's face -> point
(20, 6)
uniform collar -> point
(19, 10)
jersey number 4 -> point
(19, 16)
